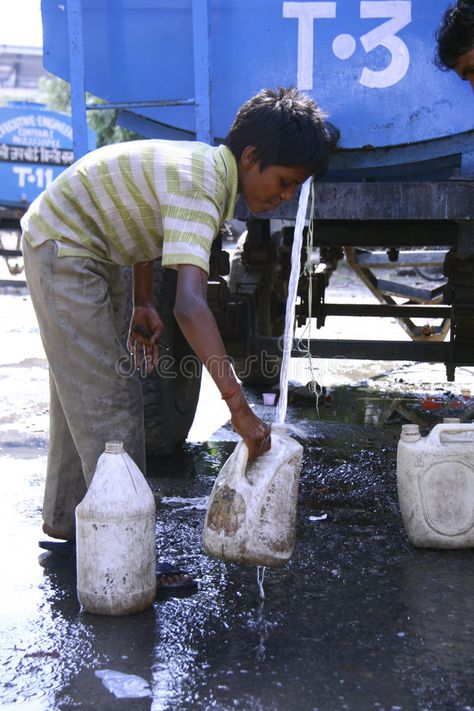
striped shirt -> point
(136, 201)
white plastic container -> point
(251, 516)
(269, 398)
(115, 538)
(435, 479)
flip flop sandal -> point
(166, 570)
(61, 547)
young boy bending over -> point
(130, 204)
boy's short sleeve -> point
(191, 222)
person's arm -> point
(146, 325)
(200, 330)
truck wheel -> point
(171, 391)
(265, 316)
(254, 374)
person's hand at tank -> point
(254, 431)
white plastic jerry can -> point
(251, 515)
(115, 538)
(435, 480)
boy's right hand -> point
(254, 431)
(145, 330)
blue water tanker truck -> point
(399, 195)
(35, 146)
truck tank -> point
(400, 190)
(368, 64)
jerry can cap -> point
(410, 433)
(114, 447)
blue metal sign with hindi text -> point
(35, 147)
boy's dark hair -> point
(286, 127)
(456, 34)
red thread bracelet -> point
(231, 392)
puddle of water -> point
(358, 619)
(352, 621)
(198, 503)
(362, 405)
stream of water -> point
(282, 405)
(280, 414)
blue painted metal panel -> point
(76, 61)
(35, 147)
(368, 63)
(201, 70)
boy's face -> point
(264, 190)
(465, 67)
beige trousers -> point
(79, 303)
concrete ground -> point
(358, 619)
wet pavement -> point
(358, 619)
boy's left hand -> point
(255, 432)
(144, 333)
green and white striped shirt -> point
(136, 201)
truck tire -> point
(171, 391)
(256, 369)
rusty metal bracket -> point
(384, 291)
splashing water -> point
(124, 686)
(260, 578)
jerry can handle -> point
(453, 432)
(241, 457)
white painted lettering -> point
(306, 13)
(22, 174)
(399, 12)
